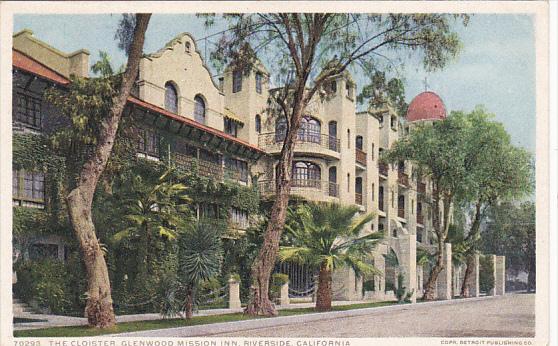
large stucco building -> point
(222, 123)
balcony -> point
(381, 203)
(383, 168)
(304, 187)
(403, 179)
(360, 157)
(358, 198)
(312, 143)
(401, 212)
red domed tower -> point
(426, 106)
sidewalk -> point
(63, 321)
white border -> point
(537, 8)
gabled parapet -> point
(66, 64)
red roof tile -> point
(25, 62)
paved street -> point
(508, 316)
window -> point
(28, 186)
(148, 142)
(28, 111)
(332, 131)
(348, 138)
(239, 218)
(187, 47)
(39, 251)
(199, 110)
(348, 182)
(333, 86)
(309, 131)
(208, 211)
(237, 81)
(373, 191)
(349, 89)
(259, 78)
(372, 154)
(358, 142)
(401, 166)
(236, 169)
(258, 122)
(393, 123)
(231, 127)
(306, 174)
(333, 182)
(392, 200)
(171, 98)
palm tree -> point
(328, 236)
(199, 259)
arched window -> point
(187, 47)
(358, 142)
(348, 138)
(381, 198)
(258, 123)
(199, 109)
(310, 130)
(171, 98)
(306, 174)
(394, 122)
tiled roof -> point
(24, 62)
(190, 122)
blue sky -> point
(496, 67)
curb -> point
(235, 326)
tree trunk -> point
(465, 288)
(259, 303)
(475, 228)
(99, 310)
(324, 294)
(433, 277)
(189, 304)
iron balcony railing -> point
(383, 168)
(358, 198)
(403, 178)
(267, 187)
(275, 140)
(360, 157)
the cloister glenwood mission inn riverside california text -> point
(222, 125)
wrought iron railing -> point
(383, 168)
(360, 157)
(275, 140)
(403, 178)
(358, 198)
(300, 185)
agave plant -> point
(328, 236)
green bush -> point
(52, 284)
(486, 274)
(279, 279)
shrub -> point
(401, 292)
(51, 284)
(486, 275)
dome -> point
(426, 106)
